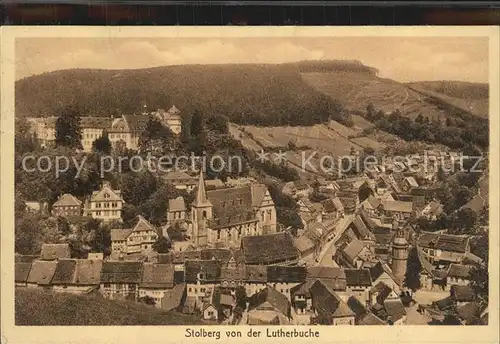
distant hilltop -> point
(335, 65)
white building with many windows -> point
(105, 204)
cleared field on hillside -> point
(356, 90)
(332, 139)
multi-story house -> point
(201, 277)
(92, 129)
(105, 204)
(67, 205)
(284, 278)
(77, 276)
(121, 279)
(137, 240)
(157, 280)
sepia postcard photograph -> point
(250, 183)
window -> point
(106, 195)
(210, 314)
(190, 289)
(204, 214)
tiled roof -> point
(157, 276)
(458, 270)
(67, 200)
(462, 293)
(42, 272)
(205, 270)
(258, 193)
(397, 206)
(469, 312)
(22, 271)
(357, 307)
(453, 243)
(371, 319)
(231, 205)
(118, 234)
(358, 277)
(268, 249)
(394, 309)
(176, 204)
(136, 122)
(238, 273)
(286, 274)
(121, 272)
(256, 273)
(106, 194)
(173, 297)
(327, 303)
(179, 175)
(362, 230)
(65, 272)
(271, 296)
(143, 225)
(333, 204)
(93, 122)
(325, 272)
(25, 258)
(352, 250)
(55, 251)
(303, 243)
(221, 254)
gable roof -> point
(462, 293)
(268, 249)
(371, 319)
(95, 122)
(238, 273)
(121, 272)
(362, 230)
(42, 272)
(333, 204)
(55, 251)
(176, 204)
(358, 277)
(22, 271)
(303, 243)
(394, 309)
(143, 225)
(458, 270)
(286, 274)
(136, 122)
(231, 205)
(258, 192)
(106, 193)
(397, 206)
(327, 303)
(357, 307)
(256, 273)
(157, 276)
(352, 250)
(455, 243)
(67, 200)
(173, 297)
(271, 296)
(77, 272)
(118, 234)
(207, 270)
(223, 255)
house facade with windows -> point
(67, 205)
(120, 279)
(139, 239)
(105, 204)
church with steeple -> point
(228, 214)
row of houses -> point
(289, 293)
(122, 131)
(105, 204)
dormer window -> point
(106, 195)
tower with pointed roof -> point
(399, 255)
(201, 212)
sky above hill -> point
(400, 58)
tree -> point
(241, 297)
(218, 124)
(479, 281)
(63, 225)
(102, 145)
(197, 124)
(24, 140)
(68, 130)
(364, 192)
(412, 276)
(148, 300)
(463, 221)
(155, 136)
(162, 245)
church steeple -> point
(201, 199)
